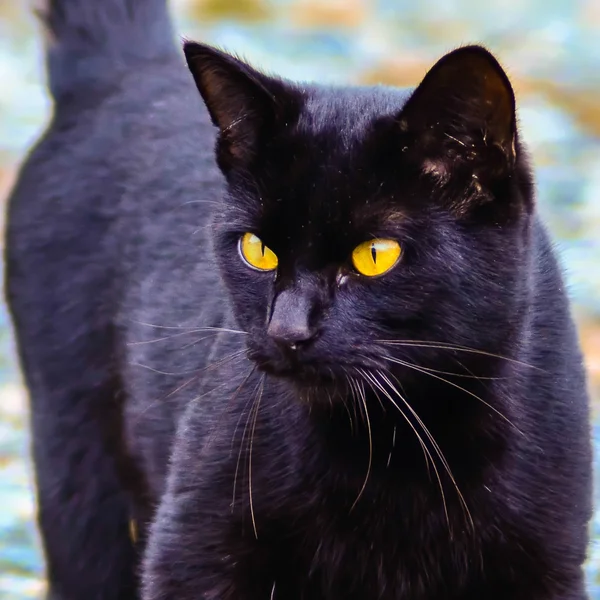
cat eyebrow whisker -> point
(215, 202)
(455, 139)
(235, 122)
(202, 229)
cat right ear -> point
(243, 103)
(462, 117)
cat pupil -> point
(374, 253)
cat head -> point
(359, 222)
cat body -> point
(284, 424)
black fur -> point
(285, 461)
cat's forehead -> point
(327, 185)
(333, 177)
(347, 110)
(322, 185)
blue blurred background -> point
(551, 49)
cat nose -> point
(289, 325)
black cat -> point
(344, 370)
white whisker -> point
(252, 400)
(436, 446)
(456, 348)
(192, 328)
(214, 331)
(469, 392)
(370, 435)
(426, 451)
(252, 515)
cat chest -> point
(329, 562)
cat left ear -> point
(463, 115)
(243, 103)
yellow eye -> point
(376, 257)
(256, 254)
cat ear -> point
(462, 116)
(243, 103)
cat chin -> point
(301, 376)
(312, 384)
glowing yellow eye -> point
(376, 257)
(256, 254)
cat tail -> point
(89, 43)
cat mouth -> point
(292, 365)
(292, 369)
(308, 371)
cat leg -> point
(198, 548)
(83, 510)
(192, 562)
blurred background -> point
(551, 49)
